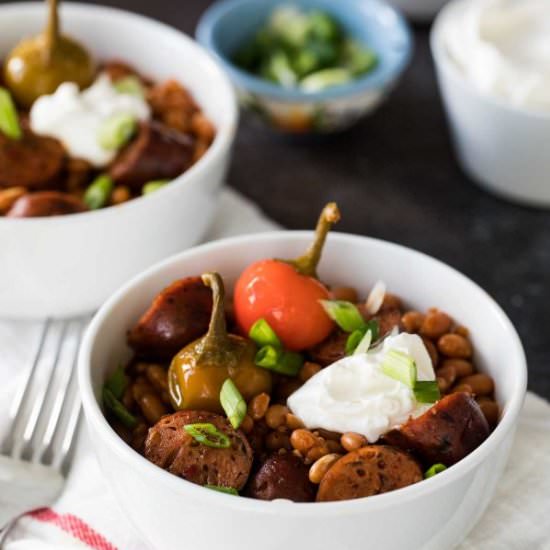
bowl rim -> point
(108, 436)
(446, 65)
(225, 133)
(205, 35)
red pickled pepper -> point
(286, 293)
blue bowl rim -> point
(376, 81)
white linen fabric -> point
(87, 516)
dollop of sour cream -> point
(354, 394)
(75, 117)
(503, 48)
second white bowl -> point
(68, 265)
(435, 514)
(501, 147)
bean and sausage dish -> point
(78, 135)
(290, 389)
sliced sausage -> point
(282, 476)
(446, 433)
(177, 316)
(156, 153)
(330, 350)
(169, 446)
(34, 162)
(46, 203)
(371, 470)
(173, 105)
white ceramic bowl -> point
(433, 515)
(419, 10)
(67, 265)
(499, 146)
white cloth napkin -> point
(87, 516)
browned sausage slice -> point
(46, 203)
(368, 471)
(34, 162)
(446, 433)
(330, 350)
(177, 316)
(282, 476)
(156, 153)
(169, 446)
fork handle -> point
(25, 486)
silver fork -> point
(36, 452)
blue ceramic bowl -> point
(228, 24)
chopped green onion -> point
(263, 335)
(279, 69)
(359, 59)
(357, 335)
(233, 403)
(400, 366)
(219, 488)
(9, 119)
(267, 357)
(323, 26)
(434, 470)
(282, 362)
(353, 340)
(116, 131)
(290, 25)
(364, 344)
(117, 408)
(289, 364)
(130, 85)
(207, 434)
(152, 186)
(426, 391)
(117, 382)
(315, 82)
(98, 192)
(345, 314)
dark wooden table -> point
(395, 177)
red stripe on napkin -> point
(75, 527)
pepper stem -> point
(52, 28)
(307, 264)
(217, 329)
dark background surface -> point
(394, 177)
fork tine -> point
(22, 446)
(67, 421)
(18, 402)
(66, 375)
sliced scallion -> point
(400, 366)
(116, 131)
(344, 314)
(98, 192)
(117, 382)
(117, 408)
(9, 120)
(357, 335)
(207, 434)
(263, 335)
(276, 360)
(364, 344)
(325, 78)
(289, 364)
(130, 85)
(220, 489)
(267, 356)
(152, 186)
(434, 470)
(426, 391)
(233, 403)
